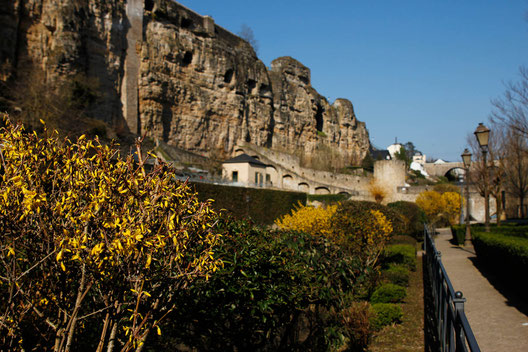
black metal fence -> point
(445, 319)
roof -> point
(380, 154)
(244, 158)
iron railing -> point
(446, 315)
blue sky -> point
(419, 70)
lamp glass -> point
(466, 158)
(482, 134)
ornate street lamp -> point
(482, 133)
(466, 159)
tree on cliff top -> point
(247, 34)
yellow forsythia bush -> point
(312, 220)
(451, 203)
(432, 204)
(361, 231)
(364, 232)
(438, 206)
(91, 244)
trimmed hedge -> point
(505, 253)
(328, 198)
(396, 274)
(386, 314)
(413, 216)
(459, 234)
(459, 231)
(262, 206)
(403, 254)
(388, 293)
(404, 239)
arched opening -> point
(287, 181)
(455, 174)
(303, 187)
(322, 190)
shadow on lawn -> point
(508, 286)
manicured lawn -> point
(409, 335)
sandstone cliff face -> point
(305, 120)
(64, 38)
(201, 89)
(168, 72)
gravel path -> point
(497, 325)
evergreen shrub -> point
(388, 293)
(459, 234)
(506, 254)
(414, 218)
(327, 198)
(400, 254)
(262, 206)
(273, 285)
(396, 274)
(386, 314)
(404, 239)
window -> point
(234, 176)
(258, 178)
(268, 179)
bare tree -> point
(516, 166)
(512, 107)
(511, 112)
(247, 34)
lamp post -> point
(482, 134)
(462, 212)
(466, 159)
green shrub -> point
(403, 239)
(388, 293)
(262, 206)
(386, 314)
(396, 274)
(414, 218)
(400, 254)
(327, 198)
(271, 282)
(459, 234)
(504, 253)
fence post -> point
(459, 301)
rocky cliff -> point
(168, 72)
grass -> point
(409, 335)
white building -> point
(394, 148)
(248, 171)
